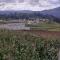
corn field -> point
(24, 46)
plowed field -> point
(43, 33)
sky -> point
(34, 5)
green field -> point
(17, 45)
(53, 26)
(45, 26)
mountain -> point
(26, 14)
(54, 12)
(23, 14)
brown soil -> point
(43, 33)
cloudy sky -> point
(35, 5)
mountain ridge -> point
(54, 12)
(28, 14)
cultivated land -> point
(39, 43)
(26, 45)
(45, 26)
(44, 29)
(44, 34)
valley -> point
(29, 36)
(29, 29)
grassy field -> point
(45, 26)
(30, 45)
(19, 45)
(53, 26)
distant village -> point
(22, 24)
(28, 21)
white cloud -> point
(30, 5)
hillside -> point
(54, 12)
(25, 14)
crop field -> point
(44, 34)
(45, 26)
(38, 43)
(27, 45)
(53, 26)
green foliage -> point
(24, 46)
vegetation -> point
(17, 45)
(13, 15)
(45, 26)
